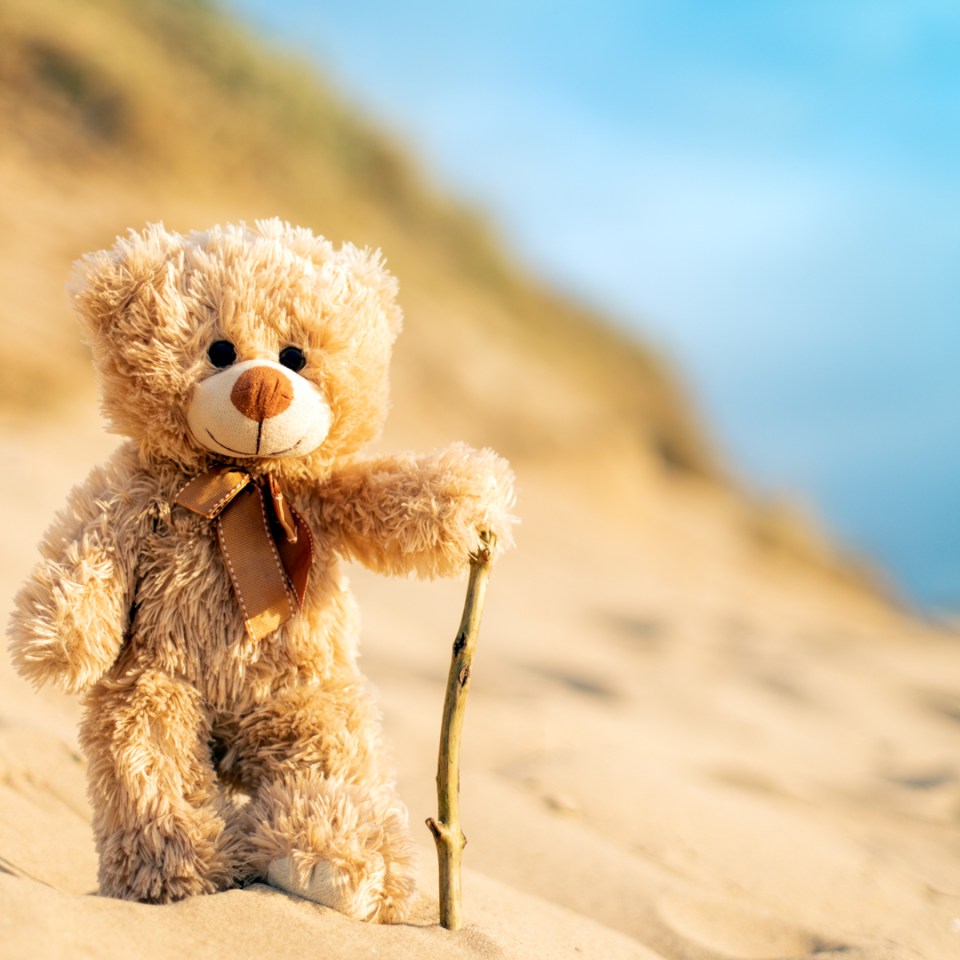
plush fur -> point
(213, 758)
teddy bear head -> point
(264, 346)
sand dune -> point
(673, 749)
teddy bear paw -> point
(351, 889)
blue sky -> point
(768, 191)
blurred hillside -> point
(117, 112)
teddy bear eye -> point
(222, 353)
(293, 358)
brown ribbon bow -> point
(266, 545)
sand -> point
(676, 746)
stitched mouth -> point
(253, 453)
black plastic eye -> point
(293, 358)
(222, 353)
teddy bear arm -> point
(71, 615)
(421, 514)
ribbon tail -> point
(253, 562)
(297, 555)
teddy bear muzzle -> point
(258, 409)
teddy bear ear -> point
(367, 268)
(103, 283)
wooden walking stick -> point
(446, 828)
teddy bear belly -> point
(187, 624)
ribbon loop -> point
(210, 493)
(267, 546)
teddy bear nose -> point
(261, 393)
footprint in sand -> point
(722, 928)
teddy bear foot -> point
(334, 885)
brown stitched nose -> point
(261, 393)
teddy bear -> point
(191, 589)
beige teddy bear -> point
(191, 588)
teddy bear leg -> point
(159, 820)
(325, 821)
